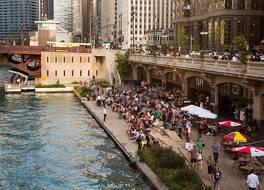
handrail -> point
(250, 69)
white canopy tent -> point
(200, 112)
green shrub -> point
(103, 84)
(171, 169)
(50, 86)
(86, 92)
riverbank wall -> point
(116, 130)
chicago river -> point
(49, 141)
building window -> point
(56, 59)
(88, 72)
(96, 72)
(241, 4)
(88, 59)
(64, 59)
(80, 73)
(72, 59)
(228, 4)
(64, 73)
(56, 73)
(72, 73)
(47, 73)
(80, 59)
(47, 59)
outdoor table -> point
(243, 161)
(252, 166)
(212, 129)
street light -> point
(204, 34)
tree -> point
(239, 43)
(219, 35)
(152, 49)
(123, 67)
(182, 40)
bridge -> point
(228, 84)
(27, 58)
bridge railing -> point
(251, 69)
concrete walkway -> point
(232, 177)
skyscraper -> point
(211, 24)
(87, 20)
(136, 17)
(17, 17)
(46, 10)
(63, 13)
(108, 20)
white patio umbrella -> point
(200, 112)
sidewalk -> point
(232, 177)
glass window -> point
(228, 4)
(241, 4)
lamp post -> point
(204, 35)
(133, 18)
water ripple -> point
(50, 142)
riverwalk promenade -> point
(232, 176)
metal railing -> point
(251, 69)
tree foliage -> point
(182, 40)
(123, 67)
(239, 43)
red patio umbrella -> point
(229, 123)
(252, 150)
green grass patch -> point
(171, 169)
(50, 86)
(84, 92)
(103, 84)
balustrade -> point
(251, 69)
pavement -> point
(232, 178)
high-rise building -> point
(97, 19)
(213, 24)
(108, 20)
(77, 20)
(46, 10)
(135, 18)
(87, 20)
(17, 18)
(63, 13)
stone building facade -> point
(66, 68)
(213, 24)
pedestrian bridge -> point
(228, 84)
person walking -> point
(104, 113)
(194, 156)
(217, 178)
(210, 166)
(216, 151)
(252, 181)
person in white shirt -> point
(252, 181)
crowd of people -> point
(151, 107)
(255, 56)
